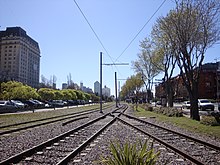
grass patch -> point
(14, 118)
(183, 122)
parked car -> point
(205, 104)
(18, 103)
(30, 103)
(56, 103)
(72, 102)
(7, 105)
(39, 103)
(186, 104)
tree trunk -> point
(169, 93)
(170, 98)
(194, 111)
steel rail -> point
(192, 159)
(71, 155)
(178, 133)
(18, 157)
(54, 117)
(48, 122)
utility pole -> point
(101, 79)
(116, 97)
(119, 92)
(119, 87)
(100, 82)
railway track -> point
(85, 143)
(8, 129)
(53, 150)
(195, 150)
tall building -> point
(106, 91)
(64, 86)
(97, 88)
(19, 57)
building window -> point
(207, 84)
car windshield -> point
(204, 101)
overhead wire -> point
(129, 42)
(140, 30)
(93, 30)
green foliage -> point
(73, 94)
(95, 98)
(131, 154)
(87, 96)
(58, 95)
(133, 83)
(46, 94)
(80, 95)
(24, 92)
(67, 95)
(16, 90)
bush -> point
(209, 120)
(131, 154)
(147, 107)
(168, 111)
(216, 115)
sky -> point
(69, 46)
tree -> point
(58, 95)
(16, 90)
(80, 95)
(69, 94)
(46, 93)
(95, 98)
(145, 64)
(166, 61)
(190, 29)
(132, 85)
(87, 96)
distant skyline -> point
(68, 45)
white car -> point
(186, 104)
(7, 105)
(205, 104)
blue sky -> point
(67, 43)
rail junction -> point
(84, 136)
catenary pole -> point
(100, 82)
(116, 91)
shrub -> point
(169, 111)
(216, 115)
(209, 120)
(147, 107)
(130, 154)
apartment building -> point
(19, 57)
(208, 87)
